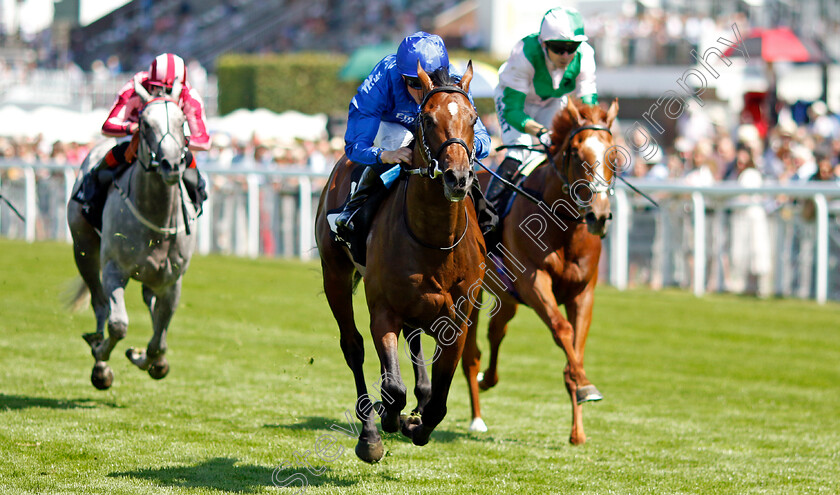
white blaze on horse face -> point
(599, 181)
(453, 108)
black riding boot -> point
(495, 190)
(370, 184)
(195, 185)
(94, 191)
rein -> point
(10, 205)
(422, 242)
(148, 223)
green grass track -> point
(722, 394)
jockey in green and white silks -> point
(542, 69)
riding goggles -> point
(562, 47)
(412, 82)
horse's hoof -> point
(482, 383)
(408, 424)
(159, 369)
(137, 357)
(102, 376)
(420, 436)
(370, 452)
(389, 425)
(587, 393)
(477, 425)
(579, 440)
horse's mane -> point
(442, 77)
(564, 123)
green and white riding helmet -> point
(562, 24)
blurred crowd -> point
(654, 36)
(707, 151)
(763, 245)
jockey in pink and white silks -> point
(166, 71)
(543, 68)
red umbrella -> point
(778, 44)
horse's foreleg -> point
(162, 307)
(149, 299)
(114, 286)
(443, 370)
(470, 364)
(86, 244)
(541, 298)
(579, 312)
(385, 328)
(114, 282)
(338, 287)
(422, 384)
(496, 331)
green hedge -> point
(307, 82)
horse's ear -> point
(466, 78)
(425, 80)
(574, 112)
(140, 90)
(612, 112)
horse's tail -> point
(76, 295)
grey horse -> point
(147, 234)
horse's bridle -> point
(432, 170)
(154, 161)
(567, 157)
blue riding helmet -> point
(427, 48)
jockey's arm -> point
(515, 79)
(194, 111)
(363, 120)
(586, 88)
(482, 140)
(119, 122)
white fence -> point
(695, 239)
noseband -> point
(433, 168)
(154, 160)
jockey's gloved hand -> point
(545, 138)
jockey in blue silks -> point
(383, 116)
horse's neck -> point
(550, 186)
(157, 201)
(431, 217)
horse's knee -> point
(422, 391)
(353, 350)
(117, 330)
(563, 332)
(393, 394)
